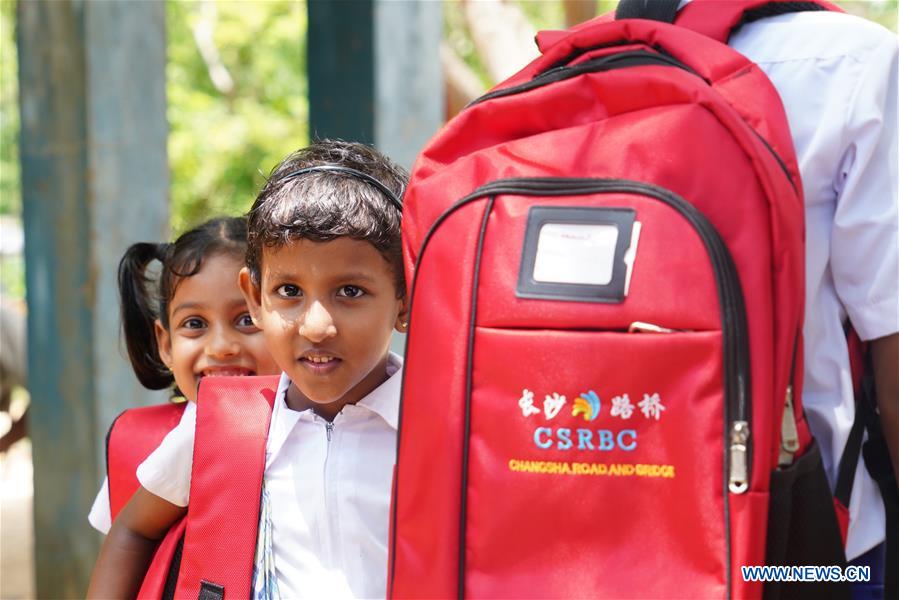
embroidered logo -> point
(651, 406)
(587, 405)
(552, 405)
(526, 403)
(622, 407)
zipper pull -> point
(789, 435)
(641, 327)
(329, 428)
(739, 436)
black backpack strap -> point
(656, 10)
(865, 417)
(877, 461)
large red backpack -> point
(602, 387)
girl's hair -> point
(143, 300)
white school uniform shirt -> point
(100, 516)
(329, 487)
(836, 75)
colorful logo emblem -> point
(587, 405)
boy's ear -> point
(402, 319)
(251, 293)
(163, 343)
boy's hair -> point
(323, 205)
(143, 301)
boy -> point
(324, 281)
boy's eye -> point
(288, 291)
(193, 323)
(350, 291)
(245, 320)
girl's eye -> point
(289, 291)
(350, 291)
(193, 323)
(245, 320)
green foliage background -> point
(221, 145)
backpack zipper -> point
(789, 432)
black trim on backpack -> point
(654, 10)
(171, 580)
(609, 62)
(469, 369)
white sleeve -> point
(166, 472)
(100, 516)
(865, 235)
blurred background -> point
(124, 122)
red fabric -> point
(536, 535)
(857, 350)
(233, 415)
(132, 438)
(842, 518)
(153, 586)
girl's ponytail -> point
(139, 316)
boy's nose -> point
(221, 345)
(317, 324)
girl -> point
(194, 324)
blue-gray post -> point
(94, 179)
(375, 75)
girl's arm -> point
(128, 549)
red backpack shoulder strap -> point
(718, 20)
(132, 437)
(162, 574)
(233, 416)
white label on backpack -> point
(631, 255)
(575, 253)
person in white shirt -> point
(324, 282)
(837, 78)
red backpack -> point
(211, 549)
(210, 552)
(602, 387)
(132, 437)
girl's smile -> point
(210, 331)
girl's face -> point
(210, 332)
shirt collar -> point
(384, 401)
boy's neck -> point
(296, 400)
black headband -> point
(388, 193)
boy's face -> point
(327, 310)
